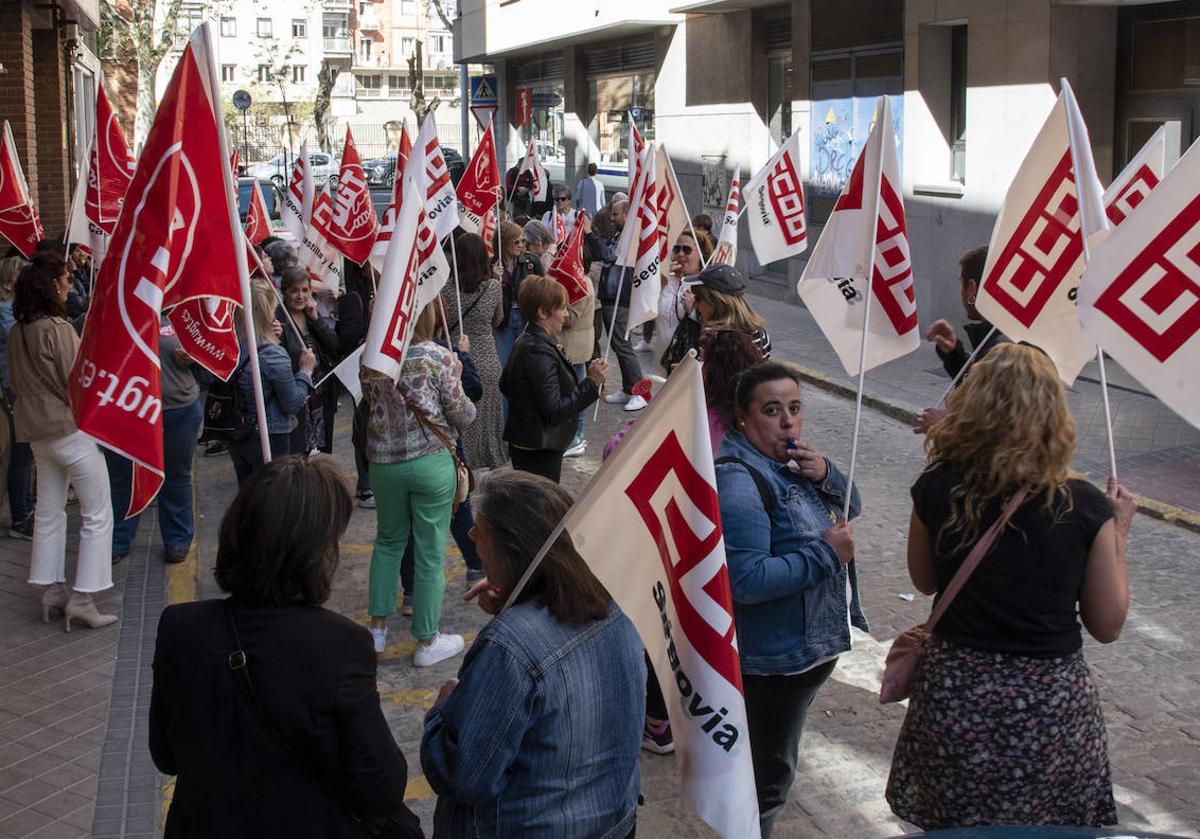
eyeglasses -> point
(685, 250)
(562, 198)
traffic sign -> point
(241, 100)
(483, 91)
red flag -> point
(110, 167)
(480, 187)
(353, 227)
(18, 217)
(174, 242)
(488, 232)
(205, 327)
(567, 267)
(258, 217)
(379, 251)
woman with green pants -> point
(414, 479)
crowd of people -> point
(540, 733)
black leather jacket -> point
(544, 399)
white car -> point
(278, 169)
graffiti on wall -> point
(839, 132)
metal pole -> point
(464, 89)
(245, 141)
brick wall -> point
(16, 83)
(50, 91)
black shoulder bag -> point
(401, 825)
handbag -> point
(465, 478)
(685, 337)
(402, 825)
(907, 651)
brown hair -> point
(1008, 426)
(510, 234)
(10, 268)
(34, 295)
(971, 264)
(732, 310)
(279, 538)
(293, 276)
(726, 354)
(562, 583)
(538, 294)
(703, 242)
(473, 264)
(427, 322)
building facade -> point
(722, 82)
(48, 71)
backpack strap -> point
(764, 489)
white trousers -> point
(73, 460)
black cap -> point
(719, 277)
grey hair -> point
(537, 232)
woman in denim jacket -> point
(790, 567)
(539, 736)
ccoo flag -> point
(1140, 295)
(834, 283)
(353, 225)
(726, 251)
(379, 250)
(1139, 176)
(775, 205)
(316, 252)
(665, 566)
(19, 221)
(427, 166)
(173, 242)
(298, 198)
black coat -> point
(544, 398)
(314, 672)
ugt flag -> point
(353, 225)
(413, 274)
(1035, 258)
(100, 192)
(480, 187)
(726, 251)
(775, 205)
(176, 240)
(207, 332)
(379, 250)
(835, 285)
(665, 567)
(19, 221)
(567, 267)
(1140, 295)
(258, 217)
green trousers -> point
(415, 497)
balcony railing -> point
(338, 46)
(369, 92)
(368, 21)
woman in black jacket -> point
(315, 430)
(544, 397)
(302, 747)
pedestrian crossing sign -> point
(483, 91)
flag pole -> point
(239, 255)
(862, 353)
(609, 333)
(962, 370)
(1072, 141)
(457, 286)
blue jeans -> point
(180, 429)
(505, 338)
(363, 468)
(20, 471)
(246, 453)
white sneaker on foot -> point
(576, 450)
(379, 637)
(442, 648)
(636, 403)
(641, 346)
(617, 398)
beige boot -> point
(54, 598)
(82, 607)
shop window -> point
(1165, 54)
(611, 101)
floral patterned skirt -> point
(992, 738)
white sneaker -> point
(617, 398)
(576, 450)
(641, 346)
(379, 637)
(442, 648)
(636, 403)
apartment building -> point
(722, 82)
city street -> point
(73, 758)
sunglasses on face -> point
(682, 250)
(562, 198)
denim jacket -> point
(283, 391)
(789, 589)
(540, 739)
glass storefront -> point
(612, 100)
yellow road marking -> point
(418, 789)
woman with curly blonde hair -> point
(1004, 722)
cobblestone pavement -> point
(1158, 453)
(73, 757)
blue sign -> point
(483, 91)
(638, 114)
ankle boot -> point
(54, 598)
(82, 607)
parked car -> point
(272, 196)
(277, 170)
(381, 171)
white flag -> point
(413, 273)
(316, 252)
(427, 166)
(645, 253)
(298, 198)
(1140, 295)
(834, 284)
(775, 205)
(347, 372)
(1035, 258)
(671, 220)
(1139, 176)
(665, 567)
(388, 224)
(726, 250)
(533, 163)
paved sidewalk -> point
(1158, 453)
